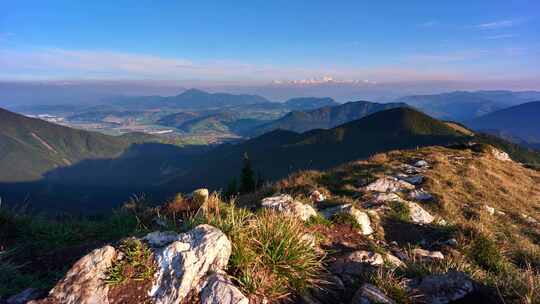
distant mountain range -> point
(464, 106)
(519, 123)
(325, 117)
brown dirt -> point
(130, 292)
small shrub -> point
(399, 211)
(487, 254)
(137, 263)
(391, 284)
(345, 219)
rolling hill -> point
(325, 117)
(308, 103)
(518, 123)
(280, 152)
(190, 99)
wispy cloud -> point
(446, 57)
(501, 36)
(499, 24)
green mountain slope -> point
(325, 117)
(281, 152)
(30, 147)
(521, 121)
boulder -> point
(389, 184)
(411, 169)
(418, 214)
(182, 263)
(361, 217)
(445, 288)
(317, 196)
(218, 289)
(85, 283)
(369, 294)
(420, 195)
(286, 204)
(426, 254)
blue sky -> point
(262, 41)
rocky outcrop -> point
(286, 204)
(354, 263)
(445, 288)
(369, 294)
(182, 264)
(418, 214)
(361, 217)
(85, 283)
(317, 196)
(389, 184)
(218, 289)
(500, 155)
(411, 179)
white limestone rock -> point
(426, 254)
(183, 263)
(317, 196)
(85, 283)
(418, 214)
(445, 288)
(218, 289)
(389, 184)
(286, 204)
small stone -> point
(421, 164)
(426, 254)
(451, 242)
(420, 195)
(369, 294)
(286, 204)
(500, 155)
(489, 209)
(317, 196)
(445, 288)
(393, 260)
(354, 263)
(418, 214)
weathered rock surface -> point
(418, 214)
(386, 197)
(500, 155)
(426, 254)
(218, 289)
(182, 264)
(361, 217)
(393, 260)
(286, 204)
(369, 294)
(420, 195)
(389, 184)
(445, 288)
(421, 164)
(84, 282)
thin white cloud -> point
(494, 25)
(501, 36)
(447, 57)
